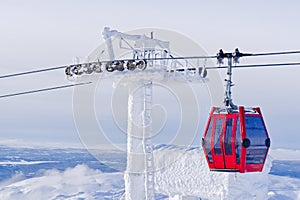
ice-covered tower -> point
(139, 175)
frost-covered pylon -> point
(139, 175)
(149, 62)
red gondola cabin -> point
(236, 141)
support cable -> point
(172, 58)
(274, 53)
(258, 65)
(32, 72)
(43, 90)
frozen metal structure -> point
(139, 175)
(150, 60)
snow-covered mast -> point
(139, 175)
(150, 61)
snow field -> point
(185, 173)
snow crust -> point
(182, 172)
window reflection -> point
(257, 134)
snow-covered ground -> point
(185, 173)
(37, 173)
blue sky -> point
(40, 34)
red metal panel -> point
(218, 157)
(254, 167)
(243, 134)
(230, 159)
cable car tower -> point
(151, 61)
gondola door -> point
(229, 142)
(217, 142)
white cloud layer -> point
(79, 182)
